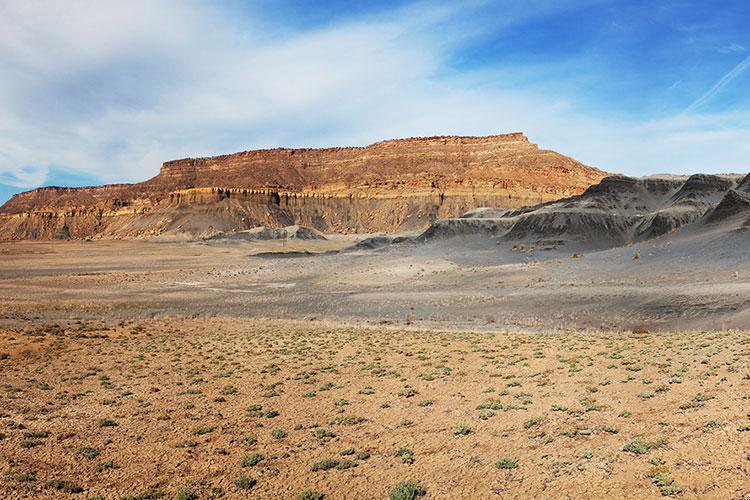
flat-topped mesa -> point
(411, 162)
(388, 186)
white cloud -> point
(732, 47)
(112, 89)
(725, 80)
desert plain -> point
(322, 369)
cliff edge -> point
(388, 186)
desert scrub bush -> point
(367, 390)
(270, 390)
(23, 477)
(204, 429)
(425, 402)
(462, 430)
(486, 414)
(490, 405)
(406, 455)
(506, 463)
(229, 390)
(347, 451)
(65, 486)
(87, 452)
(325, 464)
(310, 495)
(408, 392)
(712, 424)
(532, 422)
(245, 482)
(186, 494)
(106, 465)
(743, 428)
(254, 410)
(664, 481)
(35, 434)
(278, 433)
(406, 490)
(106, 422)
(251, 460)
(346, 420)
(640, 446)
(323, 433)
(332, 463)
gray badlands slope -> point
(615, 212)
(670, 253)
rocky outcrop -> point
(385, 187)
(734, 203)
(614, 212)
(269, 233)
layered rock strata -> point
(388, 186)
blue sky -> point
(100, 92)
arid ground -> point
(177, 370)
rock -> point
(267, 233)
(389, 186)
(733, 204)
(614, 212)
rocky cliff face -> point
(385, 187)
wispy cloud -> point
(719, 86)
(732, 47)
(110, 90)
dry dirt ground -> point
(227, 408)
(175, 370)
(455, 285)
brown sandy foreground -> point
(236, 408)
(185, 370)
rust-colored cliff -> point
(385, 187)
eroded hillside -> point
(388, 186)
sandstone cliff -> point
(385, 187)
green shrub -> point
(462, 430)
(406, 490)
(65, 486)
(310, 495)
(245, 482)
(406, 455)
(251, 460)
(506, 463)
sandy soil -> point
(134, 370)
(190, 406)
